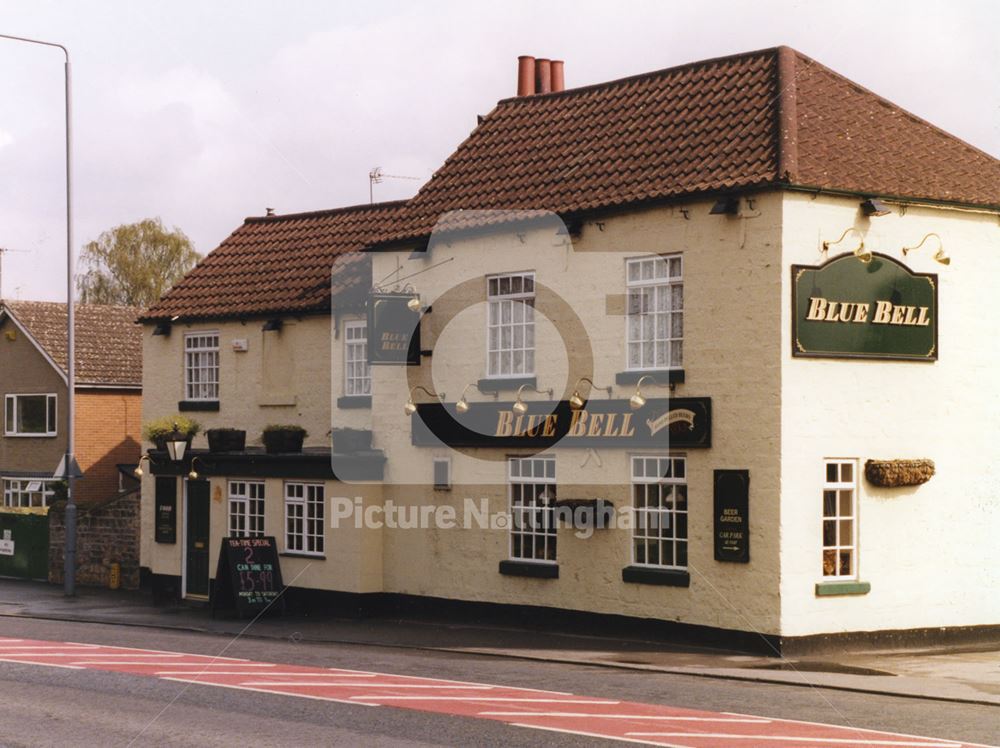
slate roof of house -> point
(298, 263)
(762, 118)
(108, 341)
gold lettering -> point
(596, 421)
(883, 313)
(550, 426)
(519, 426)
(831, 311)
(817, 308)
(922, 320)
(911, 315)
(534, 423)
(626, 429)
(897, 316)
(861, 312)
(846, 310)
(505, 421)
(609, 428)
(578, 426)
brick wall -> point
(107, 532)
(108, 428)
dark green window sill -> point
(538, 570)
(505, 384)
(354, 401)
(827, 589)
(660, 376)
(664, 577)
(298, 554)
(206, 406)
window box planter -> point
(283, 439)
(349, 441)
(159, 430)
(226, 440)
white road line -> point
(365, 685)
(132, 663)
(599, 735)
(483, 698)
(91, 653)
(460, 682)
(795, 739)
(249, 672)
(5, 650)
(43, 664)
(263, 690)
(135, 650)
(626, 716)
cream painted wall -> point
(291, 376)
(929, 552)
(732, 271)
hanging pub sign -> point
(731, 504)
(393, 330)
(662, 423)
(849, 309)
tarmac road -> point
(50, 706)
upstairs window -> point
(510, 343)
(655, 332)
(357, 376)
(30, 415)
(201, 366)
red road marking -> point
(554, 711)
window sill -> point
(848, 587)
(204, 406)
(31, 436)
(301, 554)
(505, 384)
(660, 376)
(536, 569)
(649, 575)
(349, 402)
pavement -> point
(966, 674)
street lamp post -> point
(69, 462)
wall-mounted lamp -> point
(193, 474)
(874, 208)
(421, 252)
(939, 256)
(861, 253)
(162, 328)
(726, 206)
(138, 472)
(462, 406)
(414, 305)
(520, 407)
(273, 325)
(576, 400)
(411, 407)
(638, 399)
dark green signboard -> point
(393, 330)
(849, 309)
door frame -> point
(184, 540)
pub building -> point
(713, 343)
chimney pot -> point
(558, 79)
(525, 75)
(269, 211)
(543, 71)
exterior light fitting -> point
(940, 256)
(726, 206)
(520, 407)
(193, 474)
(162, 328)
(138, 472)
(462, 406)
(638, 399)
(273, 325)
(414, 304)
(576, 400)
(874, 208)
(176, 444)
(411, 407)
(861, 253)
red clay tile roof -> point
(762, 118)
(108, 341)
(281, 264)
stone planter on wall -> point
(898, 473)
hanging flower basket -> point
(897, 473)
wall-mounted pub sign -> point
(660, 423)
(731, 504)
(849, 309)
(393, 330)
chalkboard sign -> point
(165, 518)
(248, 577)
(732, 515)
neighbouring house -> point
(34, 390)
(704, 349)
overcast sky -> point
(203, 113)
